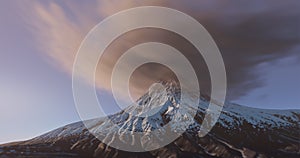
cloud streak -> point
(247, 35)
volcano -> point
(239, 132)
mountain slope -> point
(240, 132)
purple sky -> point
(36, 95)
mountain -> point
(239, 132)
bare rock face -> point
(240, 132)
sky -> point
(39, 39)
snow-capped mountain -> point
(240, 132)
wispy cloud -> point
(247, 35)
(56, 34)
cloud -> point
(55, 33)
(247, 35)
